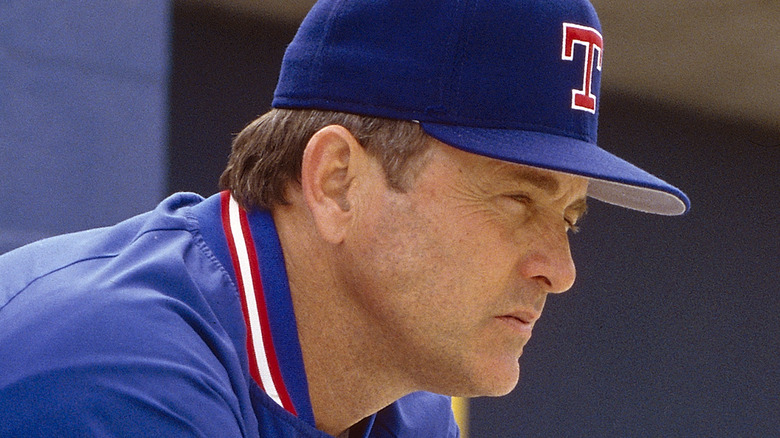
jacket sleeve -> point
(135, 365)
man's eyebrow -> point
(549, 184)
(537, 178)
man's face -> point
(453, 273)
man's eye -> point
(572, 226)
(525, 199)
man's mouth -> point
(522, 321)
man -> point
(388, 232)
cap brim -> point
(612, 179)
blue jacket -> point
(138, 330)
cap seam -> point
(323, 47)
(452, 45)
(466, 35)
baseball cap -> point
(516, 80)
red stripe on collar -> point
(263, 363)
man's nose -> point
(548, 260)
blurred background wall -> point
(673, 326)
(83, 114)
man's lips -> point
(520, 321)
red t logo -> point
(589, 37)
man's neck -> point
(347, 371)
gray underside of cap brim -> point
(636, 198)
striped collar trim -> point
(274, 353)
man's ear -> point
(329, 166)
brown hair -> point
(266, 155)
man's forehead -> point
(556, 184)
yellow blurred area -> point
(460, 406)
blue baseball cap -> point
(516, 80)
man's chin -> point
(495, 383)
(502, 379)
(502, 390)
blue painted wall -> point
(83, 114)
